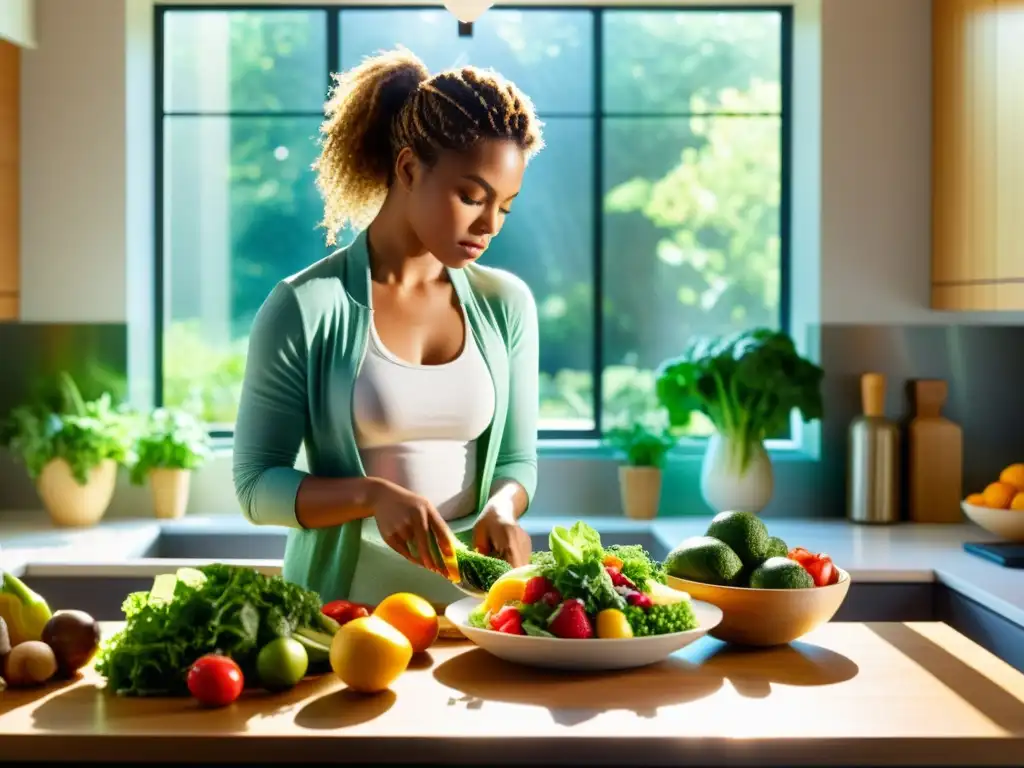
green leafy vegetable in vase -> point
(747, 384)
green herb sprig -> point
(169, 439)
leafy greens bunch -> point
(218, 608)
(747, 384)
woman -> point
(409, 371)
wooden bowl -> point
(765, 617)
(1007, 524)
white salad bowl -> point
(577, 655)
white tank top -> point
(419, 425)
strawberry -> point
(536, 588)
(618, 579)
(570, 621)
(639, 599)
(508, 620)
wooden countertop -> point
(894, 694)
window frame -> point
(556, 443)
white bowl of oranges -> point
(999, 508)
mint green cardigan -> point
(306, 347)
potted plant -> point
(748, 385)
(71, 449)
(645, 450)
(169, 446)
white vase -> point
(170, 490)
(70, 503)
(728, 484)
(640, 489)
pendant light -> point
(468, 11)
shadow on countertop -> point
(696, 673)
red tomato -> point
(800, 554)
(820, 566)
(215, 680)
(343, 611)
(821, 570)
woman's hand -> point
(403, 518)
(498, 533)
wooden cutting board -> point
(935, 457)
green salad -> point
(579, 589)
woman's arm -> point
(515, 475)
(272, 421)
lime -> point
(282, 663)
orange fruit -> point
(411, 615)
(368, 654)
(977, 499)
(999, 495)
(1013, 475)
(1018, 501)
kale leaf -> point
(231, 610)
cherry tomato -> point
(819, 566)
(821, 570)
(800, 554)
(215, 680)
(343, 611)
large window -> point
(657, 210)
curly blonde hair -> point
(390, 101)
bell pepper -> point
(343, 611)
(24, 611)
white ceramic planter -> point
(170, 489)
(640, 489)
(73, 505)
(726, 485)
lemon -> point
(612, 624)
(368, 654)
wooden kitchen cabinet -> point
(978, 155)
(9, 181)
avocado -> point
(703, 559)
(780, 573)
(744, 532)
(776, 548)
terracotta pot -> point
(70, 504)
(170, 489)
(640, 488)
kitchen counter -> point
(906, 553)
(847, 694)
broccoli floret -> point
(545, 562)
(661, 619)
(637, 564)
(478, 618)
(479, 571)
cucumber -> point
(315, 650)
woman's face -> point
(461, 202)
